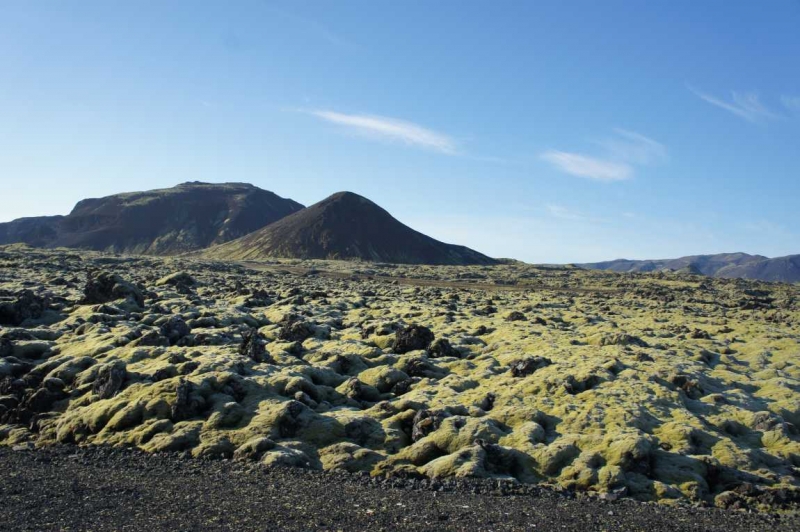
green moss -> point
(632, 401)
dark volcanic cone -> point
(349, 227)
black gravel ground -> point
(67, 488)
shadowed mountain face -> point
(349, 227)
(168, 221)
(36, 231)
(732, 265)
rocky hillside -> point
(784, 269)
(37, 231)
(349, 227)
(167, 221)
(730, 265)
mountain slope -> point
(167, 221)
(783, 269)
(36, 231)
(739, 265)
(350, 227)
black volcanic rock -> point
(110, 380)
(346, 226)
(412, 338)
(103, 287)
(167, 221)
(26, 305)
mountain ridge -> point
(728, 265)
(237, 220)
(345, 226)
(167, 221)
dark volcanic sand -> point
(67, 488)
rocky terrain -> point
(345, 226)
(167, 221)
(679, 389)
(728, 265)
(95, 488)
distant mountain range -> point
(239, 221)
(167, 221)
(732, 265)
(345, 226)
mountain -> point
(167, 221)
(345, 226)
(36, 231)
(732, 265)
(704, 264)
(783, 269)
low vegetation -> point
(667, 387)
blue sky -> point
(549, 131)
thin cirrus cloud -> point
(391, 129)
(581, 165)
(791, 102)
(746, 105)
(634, 148)
(624, 151)
(559, 211)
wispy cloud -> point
(746, 105)
(590, 167)
(624, 151)
(791, 102)
(559, 211)
(634, 148)
(391, 129)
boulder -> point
(516, 316)
(110, 380)
(187, 403)
(180, 280)
(425, 422)
(442, 348)
(528, 366)
(296, 331)
(175, 329)
(412, 338)
(253, 346)
(26, 305)
(6, 347)
(42, 400)
(105, 286)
